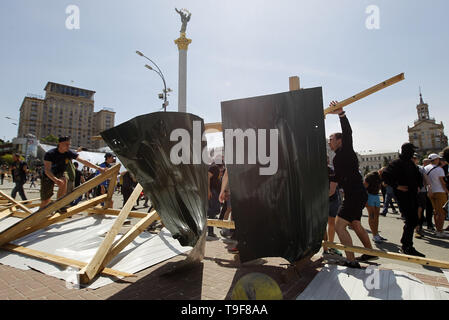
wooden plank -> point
(36, 218)
(211, 127)
(116, 212)
(389, 255)
(293, 83)
(129, 237)
(365, 93)
(57, 217)
(229, 224)
(66, 262)
(92, 268)
(18, 204)
(11, 209)
(111, 187)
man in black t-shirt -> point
(19, 172)
(55, 164)
(346, 166)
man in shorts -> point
(55, 164)
(346, 166)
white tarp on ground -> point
(340, 283)
(79, 239)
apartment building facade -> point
(65, 111)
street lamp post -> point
(159, 72)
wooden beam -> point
(218, 127)
(57, 217)
(229, 224)
(211, 127)
(129, 237)
(60, 260)
(112, 183)
(92, 268)
(18, 204)
(116, 212)
(366, 93)
(389, 255)
(293, 83)
(36, 218)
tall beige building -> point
(104, 119)
(426, 134)
(65, 111)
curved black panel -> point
(177, 192)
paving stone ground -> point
(213, 279)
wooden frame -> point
(48, 215)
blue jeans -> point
(388, 201)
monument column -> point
(183, 43)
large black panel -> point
(283, 214)
(177, 192)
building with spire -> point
(426, 134)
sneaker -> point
(63, 209)
(418, 235)
(212, 235)
(335, 251)
(352, 264)
(383, 214)
(378, 239)
(225, 233)
(233, 250)
(441, 235)
(366, 257)
(382, 238)
(412, 252)
(431, 228)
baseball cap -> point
(108, 155)
(433, 156)
(408, 146)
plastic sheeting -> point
(283, 214)
(178, 192)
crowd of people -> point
(61, 168)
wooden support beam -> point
(389, 255)
(60, 260)
(229, 224)
(366, 93)
(36, 218)
(211, 127)
(18, 204)
(293, 83)
(12, 208)
(92, 268)
(116, 212)
(112, 183)
(129, 237)
(57, 217)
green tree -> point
(7, 158)
(50, 139)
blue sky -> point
(239, 49)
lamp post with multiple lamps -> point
(162, 96)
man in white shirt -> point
(437, 192)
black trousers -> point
(19, 188)
(408, 204)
